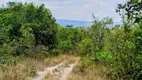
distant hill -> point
(75, 23)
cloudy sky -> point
(79, 9)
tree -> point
(27, 25)
(132, 9)
(98, 32)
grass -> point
(88, 70)
(91, 72)
(20, 70)
(28, 67)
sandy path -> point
(66, 72)
(61, 73)
(42, 74)
(58, 72)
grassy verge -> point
(21, 69)
(88, 70)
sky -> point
(79, 9)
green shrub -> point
(126, 63)
(65, 46)
(102, 56)
(9, 59)
(6, 59)
(85, 62)
(56, 52)
(39, 52)
(85, 47)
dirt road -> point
(58, 72)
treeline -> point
(32, 31)
(24, 27)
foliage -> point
(5, 59)
(85, 46)
(126, 62)
(32, 31)
(25, 26)
(85, 62)
(132, 8)
(68, 38)
(102, 57)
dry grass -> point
(21, 70)
(56, 60)
(93, 72)
(29, 67)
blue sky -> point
(79, 9)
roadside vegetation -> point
(30, 40)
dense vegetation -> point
(25, 27)
(31, 31)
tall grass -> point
(88, 70)
(21, 69)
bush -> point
(38, 52)
(126, 64)
(85, 62)
(7, 59)
(85, 47)
(102, 57)
(65, 46)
